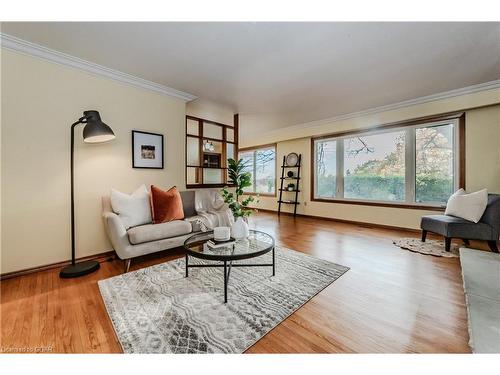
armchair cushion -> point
(450, 226)
(155, 232)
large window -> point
(434, 163)
(326, 169)
(374, 167)
(261, 163)
(414, 164)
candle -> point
(222, 233)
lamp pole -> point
(72, 168)
(94, 132)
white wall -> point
(209, 110)
(320, 127)
(482, 149)
(40, 100)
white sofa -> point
(148, 238)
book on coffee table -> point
(216, 244)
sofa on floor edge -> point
(149, 238)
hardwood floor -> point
(390, 300)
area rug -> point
(158, 310)
(429, 247)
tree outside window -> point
(376, 167)
(261, 164)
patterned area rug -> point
(158, 310)
(429, 247)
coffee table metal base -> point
(227, 269)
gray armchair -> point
(487, 229)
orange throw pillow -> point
(166, 205)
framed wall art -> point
(147, 150)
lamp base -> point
(79, 269)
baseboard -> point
(353, 222)
(101, 257)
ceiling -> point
(286, 73)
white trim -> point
(491, 85)
(411, 168)
(12, 43)
(339, 173)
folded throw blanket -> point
(211, 209)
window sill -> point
(381, 204)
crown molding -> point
(12, 43)
(491, 85)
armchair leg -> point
(493, 246)
(127, 265)
(466, 241)
(424, 235)
(447, 243)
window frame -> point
(409, 127)
(256, 148)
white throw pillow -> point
(467, 206)
(133, 209)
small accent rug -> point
(429, 247)
(158, 310)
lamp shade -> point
(96, 131)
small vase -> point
(239, 229)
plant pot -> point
(239, 229)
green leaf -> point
(241, 179)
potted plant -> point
(241, 180)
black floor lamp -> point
(95, 131)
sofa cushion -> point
(450, 226)
(155, 232)
(188, 199)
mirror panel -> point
(212, 176)
(212, 131)
(193, 151)
(213, 147)
(229, 134)
(192, 127)
(230, 151)
(192, 175)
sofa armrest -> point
(117, 233)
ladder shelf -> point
(296, 190)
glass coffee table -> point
(256, 244)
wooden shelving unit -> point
(282, 190)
